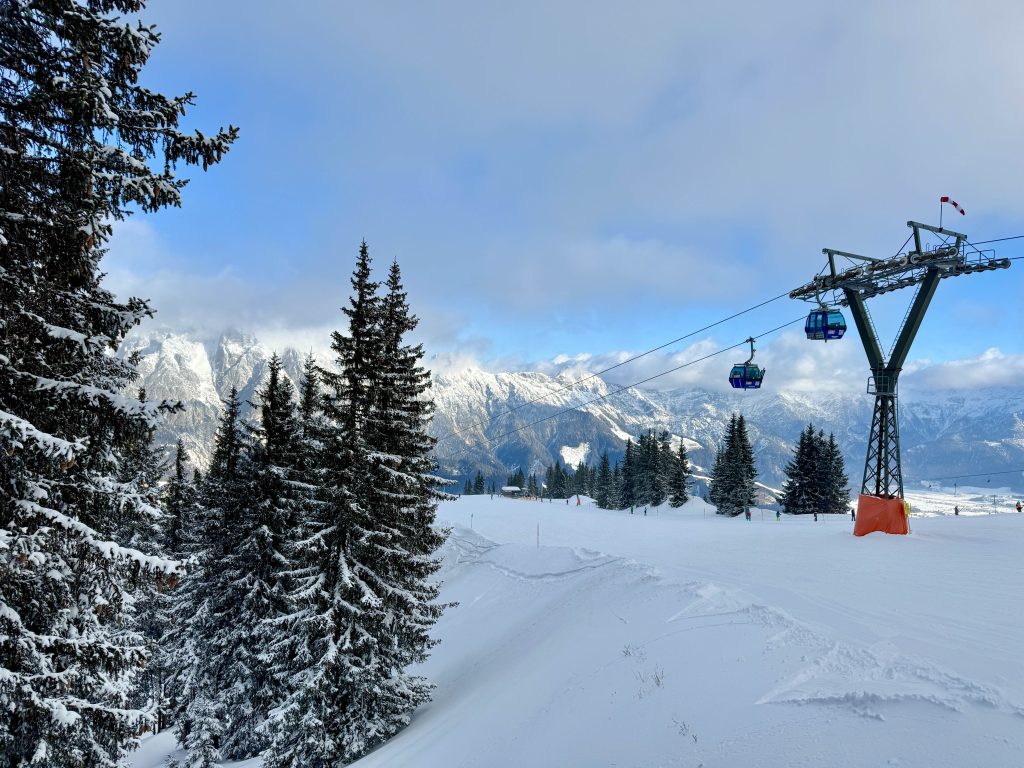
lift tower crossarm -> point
(832, 252)
(937, 229)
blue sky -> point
(587, 179)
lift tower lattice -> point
(869, 277)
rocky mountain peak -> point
(497, 421)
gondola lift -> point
(747, 375)
(825, 323)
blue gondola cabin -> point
(825, 324)
(746, 376)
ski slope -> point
(684, 639)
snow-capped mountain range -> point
(496, 422)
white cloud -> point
(992, 368)
(793, 364)
(534, 164)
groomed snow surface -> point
(684, 639)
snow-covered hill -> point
(942, 433)
(591, 638)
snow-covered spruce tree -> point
(299, 635)
(722, 472)
(365, 597)
(181, 518)
(616, 496)
(331, 716)
(679, 485)
(604, 491)
(648, 480)
(816, 480)
(747, 471)
(254, 591)
(628, 487)
(732, 479)
(801, 491)
(233, 680)
(233, 613)
(408, 492)
(201, 610)
(141, 469)
(140, 525)
(77, 134)
(837, 486)
(179, 506)
(667, 466)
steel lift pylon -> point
(869, 277)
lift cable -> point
(590, 376)
(622, 389)
(979, 474)
(636, 357)
(999, 240)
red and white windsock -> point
(954, 204)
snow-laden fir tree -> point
(666, 466)
(603, 490)
(253, 593)
(202, 612)
(77, 135)
(617, 495)
(181, 517)
(298, 634)
(140, 525)
(649, 487)
(837, 485)
(679, 483)
(732, 478)
(236, 618)
(816, 481)
(801, 491)
(408, 490)
(179, 506)
(628, 492)
(363, 590)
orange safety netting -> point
(875, 513)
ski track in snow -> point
(841, 675)
(613, 645)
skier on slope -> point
(1018, 505)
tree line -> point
(273, 602)
(816, 481)
(650, 474)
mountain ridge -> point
(495, 422)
